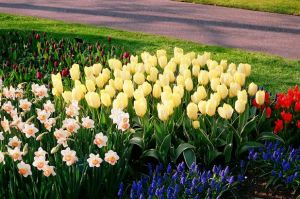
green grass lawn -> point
(273, 72)
(291, 7)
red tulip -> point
(37, 36)
(39, 75)
(126, 55)
(268, 112)
(286, 116)
(65, 72)
(55, 64)
(278, 126)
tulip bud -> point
(260, 97)
(180, 80)
(93, 99)
(55, 149)
(176, 99)
(140, 107)
(118, 83)
(110, 90)
(252, 89)
(239, 78)
(214, 84)
(128, 88)
(196, 124)
(156, 92)
(234, 88)
(88, 71)
(147, 88)
(97, 69)
(240, 106)
(222, 90)
(139, 78)
(196, 70)
(100, 81)
(202, 107)
(57, 83)
(188, 83)
(67, 96)
(242, 95)
(65, 72)
(75, 72)
(77, 94)
(192, 111)
(211, 107)
(162, 61)
(39, 75)
(105, 99)
(90, 85)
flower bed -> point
(96, 126)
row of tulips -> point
(33, 56)
(182, 105)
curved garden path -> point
(258, 31)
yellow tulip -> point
(55, 92)
(110, 90)
(153, 74)
(239, 78)
(100, 81)
(162, 61)
(176, 99)
(192, 111)
(222, 90)
(75, 72)
(122, 100)
(188, 83)
(93, 99)
(186, 74)
(156, 92)
(139, 78)
(179, 89)
(211, 107)
(214, 74)
(202, 107)
(147, 88)
(223, 63)
(134, 59)
(196, 124)
(161, 52)
(226, 111)
(114, 64)
(67, 96)
(252, 89)
(97, 69)
(240, 106)
(118, 83)
(260, 97)
(106, 74)
(196, 70)
(88, 71)
(105, 99)
(140, 107)
(138, 93)
(180, 80)
(226, 78)
(162, 112)
(216, 97)
(167, 89)
(77, 94)
(203, 77)
(231, 68)
(234, 88)
(214, 84)
(242, 95)
(244, 68)
(170, 75)
(57, 83)
(90, 85)
(128, 88)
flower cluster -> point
(31, 57)
(25, 128)
(281, 162)
(182, 183)
(287, 110)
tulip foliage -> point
(180, 106)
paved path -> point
(273, 33)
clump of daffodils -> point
(209, 86)
(25, 121)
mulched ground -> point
(255, 188)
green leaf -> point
(181, 148)
(153, 153)
(38, 45)
(269, 136)
(137, 141)
(165, 145)
(189, 157)
(212, 155)
(248, 145)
